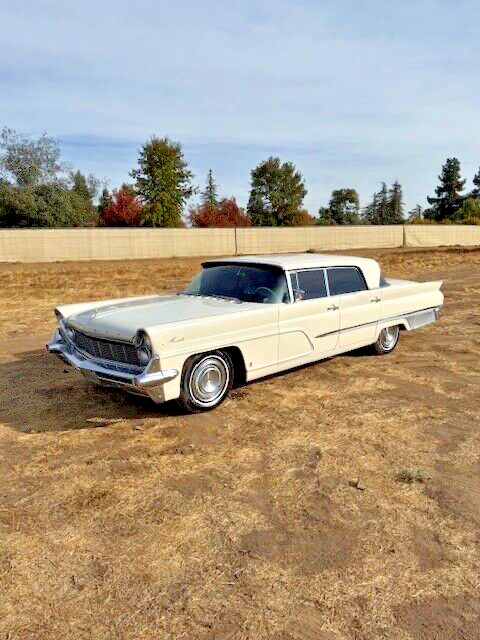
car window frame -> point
(295, 282)
(349, 293)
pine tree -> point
(209, 195)
(369, 212)
(447, 204)
(475, 193)
(377, 212)
(80, 186)
(277, 194)
(395, 204)
(416, 213)
(382, 207)
(163, 181)
(104, 202)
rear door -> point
(308, 326)
(360, 307)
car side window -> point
(312, 282)
(345, 280)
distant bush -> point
(421, 221)
(226, 214)
(304, 219)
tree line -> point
(38, 189)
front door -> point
(310, 325)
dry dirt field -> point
(111, 528)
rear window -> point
(312, 283)
(345, 280)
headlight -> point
(69, 331)
(143, 345)
(143, 356)
(65, 330)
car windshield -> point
(240, 282)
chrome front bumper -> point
(147, 382)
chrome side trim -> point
(415, 319)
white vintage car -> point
(238, 320)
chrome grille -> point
(107, 349)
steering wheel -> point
(265, 291)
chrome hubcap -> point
(389, 337)
(208, 380)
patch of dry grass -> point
(257, 531)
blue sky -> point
(354, 93)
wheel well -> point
(401, 324)
(239, 372)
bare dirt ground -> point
(110, 527)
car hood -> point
(122, 318)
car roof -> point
(290, 261)
(294, 261)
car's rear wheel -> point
(206, 381)
(387, 340)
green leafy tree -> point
(28, 163)
(17, 206)
(46, 205)
(324, 217)
(344, 206)
(276, 195)
(60, 207)
(163, 181)
(448, 203)
(395, 205)
(209, 195)
(470, 210)
(85, 186)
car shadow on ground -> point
(40, 393)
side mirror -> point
(298, 294)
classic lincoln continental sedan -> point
(238, 320)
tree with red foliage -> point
(226, 214)
(124, 209)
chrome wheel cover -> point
(388, 337)
(208, 380)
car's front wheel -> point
(387, 340)
(206, 381)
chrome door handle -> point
(332, 307)
(375, 300)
